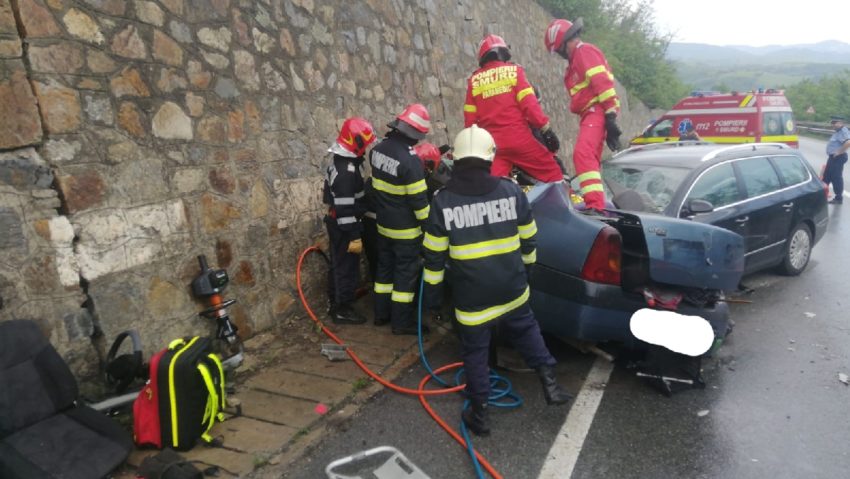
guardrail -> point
(817, 129)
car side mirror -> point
(696, 206)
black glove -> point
(612, 139)
(550, 140)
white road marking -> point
(563, 455)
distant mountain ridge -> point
(744, 67)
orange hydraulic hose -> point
(422, 393)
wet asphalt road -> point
(774, 406)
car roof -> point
(692, 155)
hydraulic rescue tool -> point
(210, 284)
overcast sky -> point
(754, 22)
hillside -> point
(742, 67)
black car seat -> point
(44, 431)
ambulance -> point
(757, 116)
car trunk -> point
(655, 249)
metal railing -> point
(813, 128)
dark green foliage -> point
(829, 95)
(627, 35)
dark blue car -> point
(593, 272)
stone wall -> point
(138, 134)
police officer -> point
(500, 100)
(343, 193)
(590, 85)
(836, 150)
(402, 206)
(483, 224)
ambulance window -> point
(772, 124)
(788, 123)
(717, 185)
(759, 176)
(661, 129)
(791, 170)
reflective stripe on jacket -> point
(500, 100)
(589, 80)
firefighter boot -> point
(477, 418)
(552, 391)
(345, 314)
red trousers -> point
(520, 148)
(587, 157)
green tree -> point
(626, 32)
(829, 95)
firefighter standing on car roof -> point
(590, 84)
(483, 224)
(344, 194)
(500, 100)
(836, 150)
(401, 206)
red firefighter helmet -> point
(559, 31)
(354, 136)
(490, 43)
(414, 121)
(429, 154)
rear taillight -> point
(603, 264)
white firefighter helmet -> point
(474, 142)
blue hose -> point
(501, 389)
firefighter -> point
(402, 207)
(343, 193)
(590, 85)
(483, 224)
(437, 172)
(500, 100)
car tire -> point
(798, 250)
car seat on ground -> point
(44, 431)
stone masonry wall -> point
(137, 134)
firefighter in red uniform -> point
(500, 100)
(590, 84)
(344, 195)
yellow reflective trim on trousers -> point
(591, 72)
(484, 249)
(470, 108)
(175, 440)
(480, 317)
(591, 188)
(524, 93)
(589, 175)
(530, 258)
(402, 297)
(433, 277)
(417, 187)
(390, 188)
(422, 214)
(410, 233)
(383, 288)
(436, 243)
(527, 231)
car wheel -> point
(798, 250)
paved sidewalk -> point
(291, 396)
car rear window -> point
(643, 187)
(791, 169)
(759, 176)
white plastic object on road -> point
(397, 466)
(680, 333)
